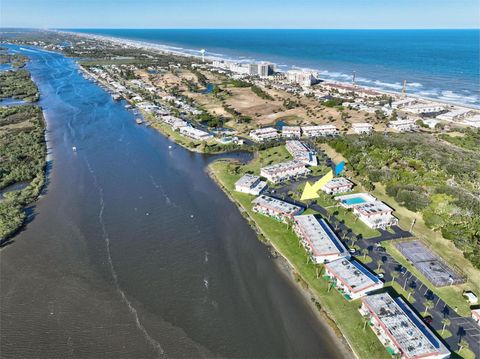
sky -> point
(356, 14)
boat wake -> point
(154, 343)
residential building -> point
(351, 278)
(403, 103)
(455, 114)
(375, 214)
(476, 315)
(400, 330)
(283, 171)
(403, 125)
(337, 185)
(194, 133)
(275, 208)
(362, 127)
(319, 240)
(301, 77)
(265, 69)
(320, 130)
(250, 184)
(424, 108)
(264, 134)
(351, 200)
(301, 153)
(291, 131)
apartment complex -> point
(320, 130)
(291, 131)
(337, 185)
(375, 214)
(319, 240)
(362, 128)
(264, 134)
(250, 184)
(275, 208)
(400, 330)
(403, 125)
(194, 133)
(301, 153)
(284, 171)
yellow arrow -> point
(310, 191)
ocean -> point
(438, 64)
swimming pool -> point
(353, 200)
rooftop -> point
(276, 205)
(338, 182)
(410, 333)
(372, 208)
(352, 274)
(247, 180)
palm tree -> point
(462, 344)
(366, 319)
(395, 274)
(445, 322)
(379, 264)
(330, 284)
(365, 253)
(319, 269)
(428, 305)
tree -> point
(379, 264)
(395, 274)
(428, 305)
(364, 252)
(462, 344)
(445, 322)
(366, 319)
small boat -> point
(138, 121)
(74, 149)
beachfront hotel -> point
(291, 132)
(400, 330)
(250, 184)
(275, 208)
(320, 130)
(362, 128)
(337, 185)
(375, 214)
(301, 153)
(194, 133)
(403, 125)
(264, 134)
(284, 171)
(321, 243)
(351, 278)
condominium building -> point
(194, 133)
(291, 131)
(320, 130)
(264, 134)
(300, 77)
(424, 108)
(250, 184)
(319, 240)
(337, 185)
(400, 330)
(362, 127)
(275, 208)
(283, 171)
(301, 153)
(351, 278)
(455, 114)
(375, 214)
(265, 69)
(403, 125)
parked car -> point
(428, 319)
(380, 249)
(380, 275)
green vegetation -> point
(260, 93)
(16, 60)
(18, 84)
(470, 139)
(23, 151)
(344, 314)
(435, 179)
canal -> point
(134, 252)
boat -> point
(74, 149)
(138, 121)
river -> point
(134, 252)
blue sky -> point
(240, 13)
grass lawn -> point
(446, 333)
(452, 295)
(345, 314)
(398, 288)
(466, 354)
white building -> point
(354, 199)
(375, 214)
(319, 240)
(194, 133)
(455, 114)
(320, 130)
(250, 184)
(291, 131)
(283, 171)
(337, 185)
(300, 77)
(476, 315)
(424, 108)
(275, 208)
(403, 103)
(400, 330)
(301, 153)
(473, 121)
(362, 127)
(265, 69)
(351, 278)
(403, 125)
(264, 134)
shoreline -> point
(166, 49)
(288, 269)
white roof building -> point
(400, 329)
(320, 130)
(291, 131)
(250, 184)
(362, 127)
(264, 134)
(318, 239)
(375, 214)
(301, 77)
(337, 185)
(424, 108)
(352, 278)
(301, 153)
(283, 171)
(476, 315)
(403, 125)
(194, 133)
(455, 114)
(275, 208)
